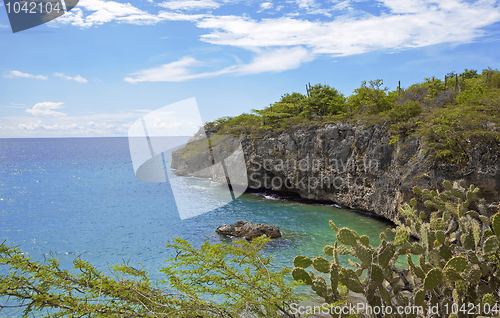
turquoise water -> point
(80, 197)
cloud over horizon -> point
(77, 78)
(18, 74)
(86, 124)
(46, 109)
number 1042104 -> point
(32, 7)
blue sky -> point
(100, 67)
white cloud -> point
(103, 125)
(174, 16)
(57, 127)
(100, 128)
(274, 60)
(13, 105)
(189, 4)
(158, 124)
(46, 109)
(17, 74)
(177, 71)
(77, 78)
(165, 73)
(104, 12)
(277, 60)
(342, 5)
(266, 5)
(84, 125)
(422, 23)
(312, 7)
(403, 24)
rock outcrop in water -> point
(248, 230)
(355, 166)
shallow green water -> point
(80, 197)
(305, 227)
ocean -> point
(79, 197)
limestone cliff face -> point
(354, 166)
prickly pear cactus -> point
(456, 260)
(346, 236)
(433, 278)
(490, 245)
(321, 264)
(302, 261)
(458, 263)
(320, 287)
(300, 274)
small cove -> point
(79, 197)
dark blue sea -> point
(80, 197)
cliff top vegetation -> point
(451, 115)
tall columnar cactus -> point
(458, 254)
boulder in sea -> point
(248, 230)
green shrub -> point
(472, 95)
(215, 280)
(494, 80)
(435, 86)
(416, 93)
(372, 98)
(405, 112)
(456, 261)
(450, 118)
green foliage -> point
(346, 236)
(372, 99)
(451, 117)
(278, 111)
(234, 125)
(336, 229)
(321, 264)
(293, 98)
(405, 112)
(435, 86)
(237, 274)
(452, 131)
(302, 261)
(432, 279)
(291, 111)
(469, 74)
(457, 262)
(495, 225)
(323, 100)
(490, 245)
(401, 237)
(472, 95)
(488, 299)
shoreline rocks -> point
(248, 230)
(356, 166)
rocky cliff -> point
(354, 166)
